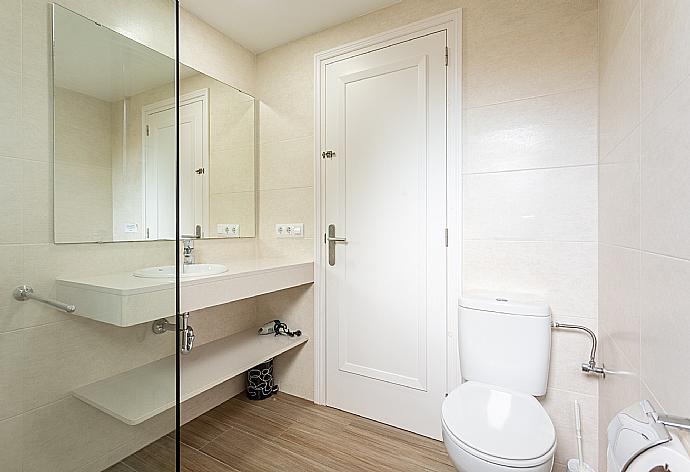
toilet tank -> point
(505, 340)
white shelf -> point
(142, 393)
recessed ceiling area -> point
(259, 25)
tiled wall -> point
(530, 163)
(46, 354)
(644, 203)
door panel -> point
(160, 171)
(385, 118)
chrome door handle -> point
(332, 240)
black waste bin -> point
(260, 383)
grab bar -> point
(26, 292)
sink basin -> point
(187, 270)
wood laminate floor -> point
(286, 434)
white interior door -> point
(385, 194)
(160, 171)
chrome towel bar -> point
(26, 292)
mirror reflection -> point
(114, 143)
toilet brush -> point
(578, 465)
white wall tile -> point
(665, 325)
(619, 101)
(546, 204)
(550, 131)
(620, 389)
(569, 350)
(563, 273)
(619, 194)
(559, 404)
(665, 55)
(619, 299)
(614, 16)
(665, 183)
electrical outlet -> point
(228, 230)
(290, 230)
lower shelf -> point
(142, 393)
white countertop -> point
(125, 283)
(125, 300)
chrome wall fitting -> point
(187, 335)
(590, 367)
(186, 331)
(161, 326)
(26, 292)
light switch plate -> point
(229, 230)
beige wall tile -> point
(287, 164)
(563, 273)
(10, 121)
(536, 205)
(665, 170)
(665, 326)
(509, 60)
(11, 275)
(37, 188)
(10, 31)
(665, 55)
(220, 321)
(550, 131)
(37, 120)
(11, 370)
(295, 368)
(619, 194)
(233, 208)
(11, 231)
(110, 349)
(11, 438)
(620, 87)
(295, 205)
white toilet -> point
(492, 422)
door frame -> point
(201, 95)
(452, 22)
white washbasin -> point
(187, 270)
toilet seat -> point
(498, 425)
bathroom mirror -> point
(114, 142)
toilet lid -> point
(498, 422)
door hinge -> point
(148, 131)
(446, 231)
(200, 170)
(447, 55)
(148, 232)
(327, 155)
